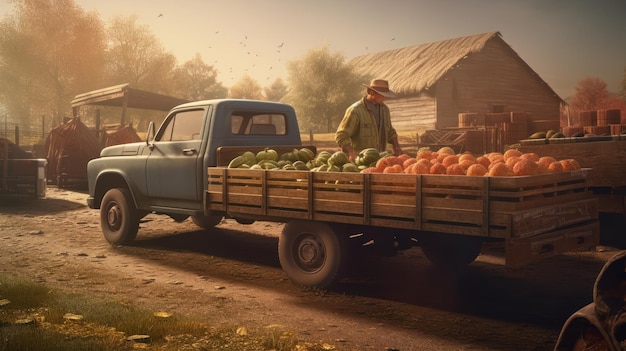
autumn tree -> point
(195, 80)
(276, 91)
(246, 88)
(322, 86)
(136, 56)
(591, 94)
(50, 50)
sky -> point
(564, 41)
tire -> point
(451, 251)
(311, 253)
(207, 222)
(119, 219)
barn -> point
(479, 74)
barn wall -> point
(412, 113)
(495, 76)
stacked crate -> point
(598, 122)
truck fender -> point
(108, 180)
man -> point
(367, 122)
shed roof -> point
(136, 98)
(416, 68)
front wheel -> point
(311, 253)
(119, 219)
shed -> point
(69, 148)
(436, 82)
(124, 96)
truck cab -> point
(167, 173)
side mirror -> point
(150, 134)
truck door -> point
(173, 166)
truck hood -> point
(131, 149)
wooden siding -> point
(494, 77)
(413, 113)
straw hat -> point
(381, 86)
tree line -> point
(52, 50)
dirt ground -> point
(231, 276)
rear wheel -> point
(119, 219)
(451, 251)
(311, 253)
(207, 222)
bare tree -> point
(322, 86)
(246, 88)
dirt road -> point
(231, 277)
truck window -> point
(183, 126)
(258, 124)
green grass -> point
(107, 323)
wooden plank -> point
(454, 204)
(605, 158)
(338, 207)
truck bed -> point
(536, 215)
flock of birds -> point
(246, 50)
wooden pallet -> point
(498, 207)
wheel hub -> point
(113, 216)
(310, 254)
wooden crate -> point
(499, 207)
(597, 130)
(605, 158)
(607, 117)
(587, 118)
(467, 120)
(617, 129)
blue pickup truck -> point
(181, 171)
(167, 174)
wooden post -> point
(98, 124)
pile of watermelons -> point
(305, 160)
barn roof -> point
(416, 68)
(136, 98)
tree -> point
(195, 80)
(135, 56)
(246, 88)
(276, 91)
(50, 50)
(322, 86)
(591, 94)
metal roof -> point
(124, 96)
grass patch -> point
(38, 318)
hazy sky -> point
(564, 41)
